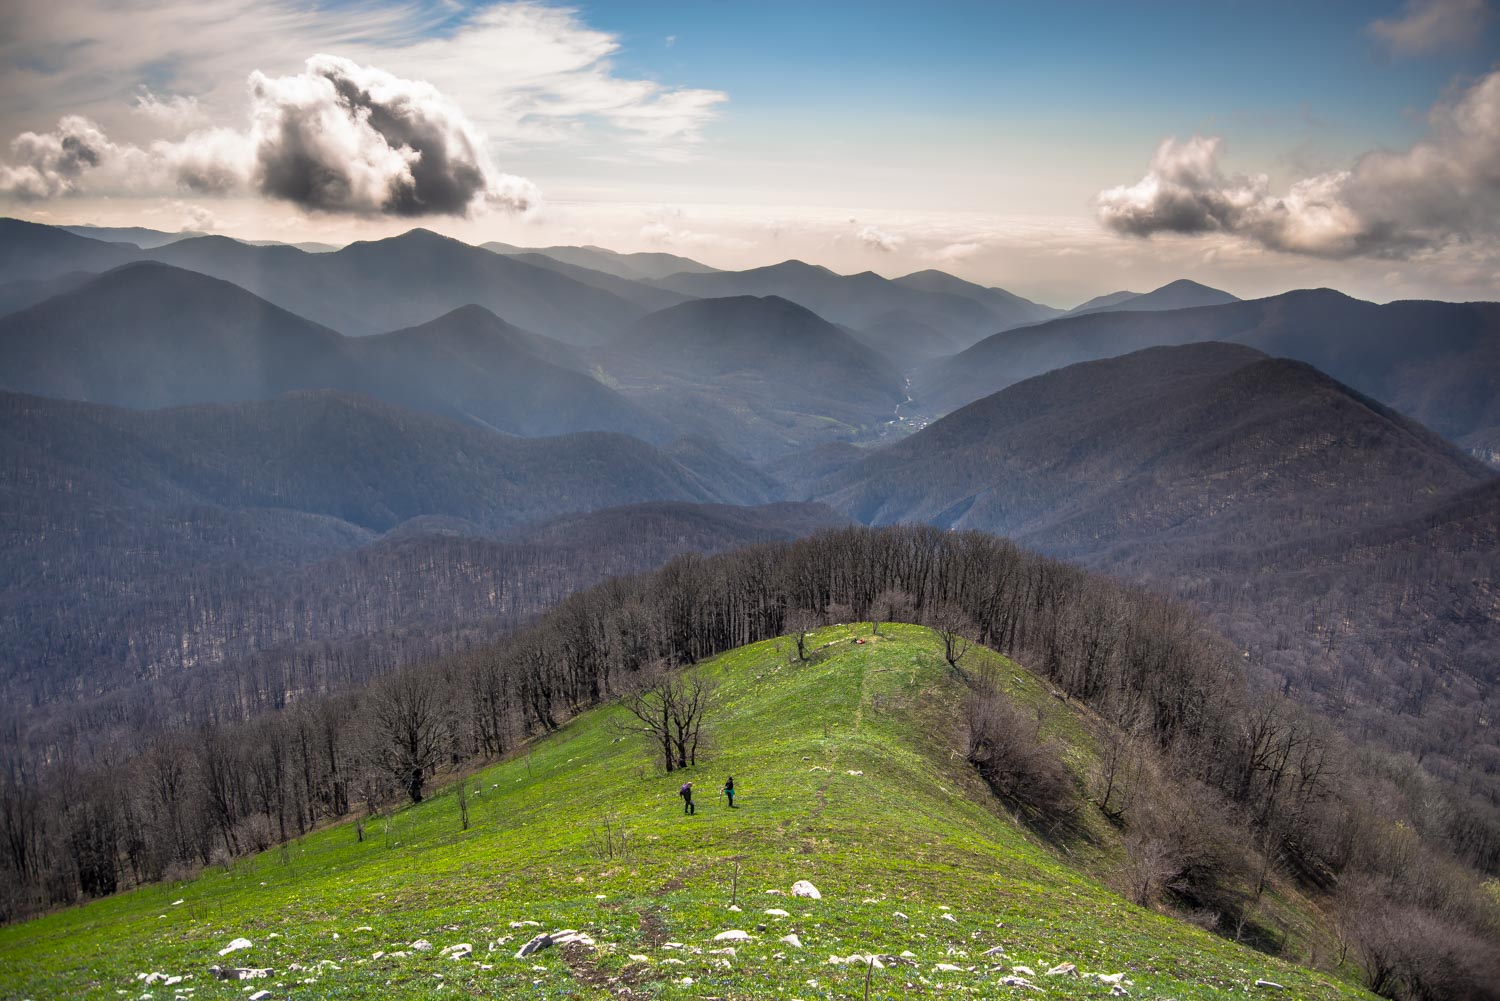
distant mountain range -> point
(762, 374)
(1181, 294)
(1438, 362)
(959, 311)
(149, 335)
(629, 266)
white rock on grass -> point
(238, 973)
(777, 912)
(1063, 970)
(733, 935)
(803, 888)
(546, 940)
(792, 940)
(1023, 971)
(421, 945)
(259, 996)
(458, 951)
(236, 946)
(1269, 985)
(949, 917)
(998, 950)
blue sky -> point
(979, 136)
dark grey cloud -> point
(1444, 189)
(48, 164)
(342, 137)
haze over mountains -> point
(389, 414)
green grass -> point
(915, 833)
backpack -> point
(685, 791)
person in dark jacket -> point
(686, 792)
(729, 790)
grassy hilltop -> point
(851, 775)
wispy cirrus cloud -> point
(1443, 190)
(1427, 26)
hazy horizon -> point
(1059, 153)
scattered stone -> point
(548, 939)
(421, 945)
(260, 996)
(364, 928)
(1023, 971)
(1109, 978)
(636, 957)
(792, 940)
(728, 950)
(1064, 970)
(1017, 982)
(178, 903)
(673, 961)
(458, 951)
(1116, 991)
(238, 973)
(853, 772)
(735, 907)
(236, 946)
(903, 917)
(1269, 985)
(948, 968)
(777, 912)
(949, 917)
(378, 954)
(733, 935)
(525, 924)
(998, 950)
(802, 888)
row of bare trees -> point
(1317, 809)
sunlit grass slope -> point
(850, 774)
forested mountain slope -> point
(128, 529)
(1347, 549)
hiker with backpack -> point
(686, 792)
(729, 790)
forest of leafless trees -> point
(1214, 785)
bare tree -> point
(408, 729)
(669, 711)
(800, 622)
(953, 626)
(890, 605)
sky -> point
(1059, 150)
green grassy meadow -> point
(850, 774)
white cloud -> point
(342, 137)
(525, 75)
(338, 137)
(1427, 26)
(1443, 190)
(176, 114)
(876, 238)
(49, 164)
